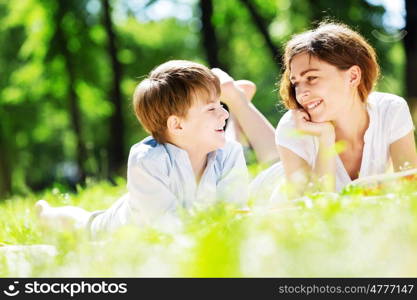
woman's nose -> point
(302, 95)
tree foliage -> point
(57, 74)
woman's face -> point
(321, 89)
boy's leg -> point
(256, 127)
(61, 218)
(234, 130)
(249, 89)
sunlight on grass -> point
(358, 232)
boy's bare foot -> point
(248, 87)
(233, 91)
(61, 218)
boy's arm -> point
(110, 219)
(150, 191)
(148, 201)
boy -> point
(187, 160)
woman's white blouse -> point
(389, 120)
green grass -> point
(355, 233)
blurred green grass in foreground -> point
(355, 233)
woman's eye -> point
(311, 78)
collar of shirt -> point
(193, 192)
(182, 155)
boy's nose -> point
(225, 113)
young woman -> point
(327, 88)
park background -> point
(68, 70)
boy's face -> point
(204, 123)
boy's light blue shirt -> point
(160, 179)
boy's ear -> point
(174, 125)
(355, 75)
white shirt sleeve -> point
(287, 136)
(117, 215)
(148, 186)
(233, 183)
(149, 199)
(401, 121)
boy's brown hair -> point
(337, 45)
(171, 89)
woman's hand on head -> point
(304, 124)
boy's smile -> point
(202, 129)
(204, 125)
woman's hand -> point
(324, 170)
(304, 124)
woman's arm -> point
(298, 172)
(403, 153)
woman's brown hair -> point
(337, 45)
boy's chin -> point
(218, 145)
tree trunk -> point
(75, 117)
(116, 143)
(210, 43)
(410, 44)
(316, 13)
(260, 23)
(74, 109)
(5, 172)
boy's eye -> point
(219, 106)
